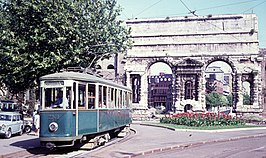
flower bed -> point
(202, 119)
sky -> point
(132, 9)
(170, 8)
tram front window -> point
(54, 98)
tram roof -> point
(81, 77)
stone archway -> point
(189, 45)
(140, 68)
(160, 86)
(235, 88)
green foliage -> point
(246, 99)
(214, 99)
(230, 99)
(42, 37)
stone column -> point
(202, 91)
(239, 90)
(174, 92)
(128, 80)
(144, 91)
(178, 93)
(256, 90)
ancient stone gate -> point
(188, 45)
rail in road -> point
(75, 151)
(144, 140)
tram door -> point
(84, 103)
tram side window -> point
(116, 104)
(112, 102)
(124, 99)
(130, 99)
(108, 103)
(127, 99)
(120, 99)
(68, 97)
(104, 96)
(91, 96)
(100, 96)
(81, 95)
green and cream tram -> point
(80, 106)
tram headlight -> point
(53, 126)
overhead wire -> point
(194, 11)
(226, 5)
(148, 8)
(254, 7)
(190, 11)
(216, 25)
(214, 7)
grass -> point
(204, 127)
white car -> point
(11, 123)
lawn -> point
(204, 127)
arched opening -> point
(219, 86)
(160, 87)
(188, 108)
(246, 93)
(110, 66)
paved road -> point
(18, 144)
(244, 148)
(147, 139)
(153, 139)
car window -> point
(18, 117)
(14, 118)
(5, 117)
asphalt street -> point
(147, 139)
(155, 139)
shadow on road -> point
(27, 144)
(32, 147)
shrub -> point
(201, 119)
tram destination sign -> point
(54, 83)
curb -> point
(182, 146)
(194, 130)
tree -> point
(246, 99)
(41, 37)
(224, 101)
(213, 99)
(230, 99)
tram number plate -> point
(53, 117)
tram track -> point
(73, 152)
(116, 140)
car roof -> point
(9, 113)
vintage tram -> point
(78, 107)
